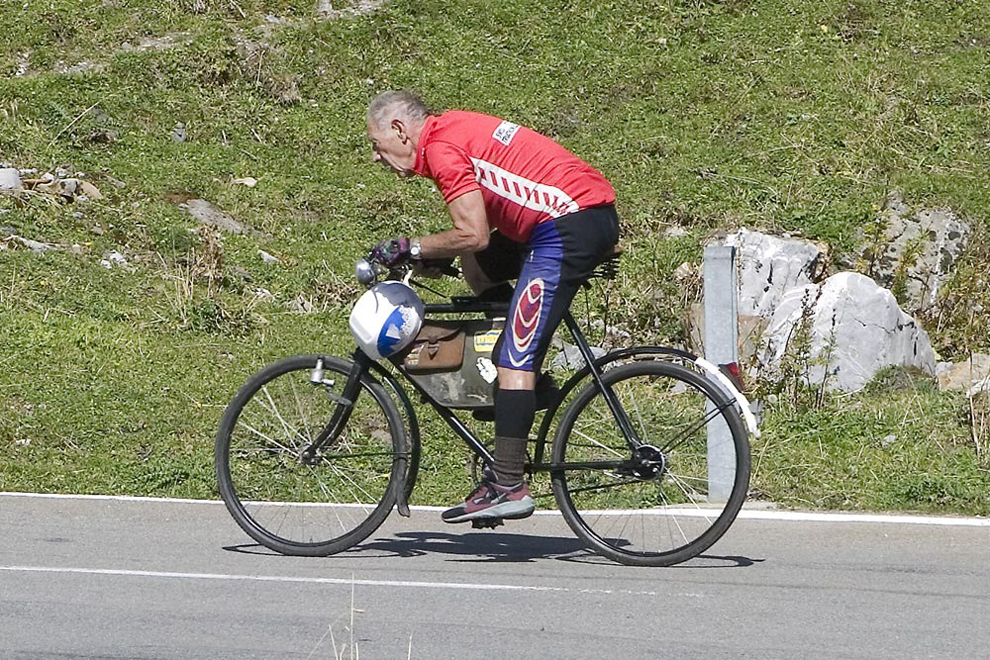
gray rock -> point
(923, 248)
(570, 357)
(10, 179)
(210, 215)
(856, 329)
(179, 132)
(324, 9)
(300, 305)
(770, 266)
(113, 259)
(895, 203)
(34, 246)
(69, 187)
(89, 190)
(963, 376)
(268, 258)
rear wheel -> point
(309, 505)
(669, 499)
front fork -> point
(345, 404)
(342, 413)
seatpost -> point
(610, 399)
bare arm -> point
(470, 232)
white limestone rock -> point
(856, 329)
(923, 246)
(971, 373)
(10, 179)
(770, 266)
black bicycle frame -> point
(363, 363)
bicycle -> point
(314, 451)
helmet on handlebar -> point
(386, 319)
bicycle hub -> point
(309, 456)
(648, 462)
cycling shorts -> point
(559, 256)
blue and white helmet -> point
(386, 319)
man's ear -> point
(399, 127)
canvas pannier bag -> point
(439, 345)
(452, 361)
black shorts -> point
(559, 256)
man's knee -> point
(515, 379)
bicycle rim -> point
(292, 506)
(670, 501)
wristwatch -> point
(415, 249)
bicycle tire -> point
(648, 513)
(296, 508)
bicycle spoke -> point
(664, 514)
(329, 497)
(601, 487)
(687, 433)
(274, 410)
(351, 481)
(270, 440)
(319, 507)
(302, 416)
(644, 436)
(676, 522)
(599, 444)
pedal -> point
(486, 523)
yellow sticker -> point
(485, 342)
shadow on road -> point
(493, 547)
(501, 547)
(476, 546)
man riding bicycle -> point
(523, 208)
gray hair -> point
(403, 102)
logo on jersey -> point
(505, 131)
(526, 318)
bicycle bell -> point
(364, 271)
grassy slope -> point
(795, 116)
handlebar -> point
(367, 271)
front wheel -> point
(676, 492)
(292, 501)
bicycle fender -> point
(741, 401)
(412, 464)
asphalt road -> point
(104, 578)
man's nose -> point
(375, 156)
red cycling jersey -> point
(524, 177)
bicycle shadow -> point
(474, 546)
(501, 547)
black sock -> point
(510, 458)
(514, 412)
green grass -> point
(790, 116)
(904, 447)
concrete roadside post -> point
(721, 347)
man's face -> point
(391, 146)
